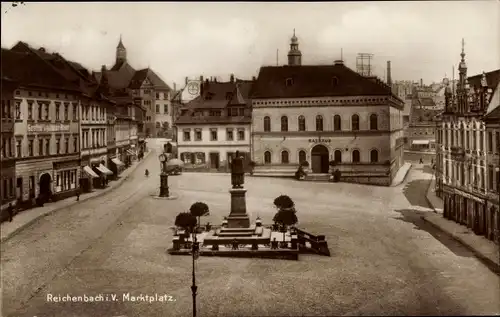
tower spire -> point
(294, 55)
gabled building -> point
(46, 128)
(145, 84)
(216, 124)
(464, 174)
(324, 113)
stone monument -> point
(238, 217)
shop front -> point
(66, 175)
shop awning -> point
(117, 161)
(104, 170)
(131, 152)
(90, 172)
(420, 142)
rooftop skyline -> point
(421, 39)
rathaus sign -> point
(48, 128)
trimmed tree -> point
(199, 209)
(284, 202)
(186, 221)
(286, 218)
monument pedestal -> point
(238, 217)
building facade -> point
(46, 129)
(213, 126)
(321, 114)
(463, 175)
(492, 123)
(8, 155)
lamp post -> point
(195, 253)
(163, 176)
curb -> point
(105, 191)
(495, 267)
(404, 177)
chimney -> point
(103, 68)
(421, 82)
(201, 78)
(215, 79)
(389, 78)
(232, 78)
(338, 62)
(42, 49)
(254, 78)
(186, 81)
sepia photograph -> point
(236, 159)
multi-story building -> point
(144, 83)
(420, 133)
(324, 113)
(464, 175)
(492, 122)
(402, 88)
(8, 155)
(46, 129)
(216, 124)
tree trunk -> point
(284, 232)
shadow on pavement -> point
(414, 192)
(414, 217)
(426, 169)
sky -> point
(177, 40)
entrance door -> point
(45, 181)
(214, 160)
(319, 159)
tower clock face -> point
(193, 88)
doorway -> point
(214, 160)
(45, 181)
(319, 159)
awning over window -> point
(90, 172)
(104, 170)
(117, 161)
(131, 152)
(420, 142)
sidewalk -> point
(487, 251)
(29, 216)
(401, 174)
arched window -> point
(355, 122)
(284, 157)
(337, 123)
(319, 123)
(337, 156)
(267, 157)
(374, 156)
(284, 124)
(302, 123)
(373, 122)
(355, 156)
(267, 124)
(302, 156)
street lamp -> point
(195, 252)
(163, 176)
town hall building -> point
(325, 113)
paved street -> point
(385, 259)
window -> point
(335, 81)
(197, 135)
(18, 148)
(302, 156)
(337, 123)
(157, 108)
(75, 144)
(4, 147)
(467, 140)
(30, 111)
(241, 134)
(165, 109)
(302, 123)
(373, 122)
(355, 156)
(491, 176)
(497, 137)
(46, 111)
(58, 146)
(47, 147)
(66, 145)
(229, 134)
(58, 105)
(267, 124)
(284, 123)
(40, 147)
(18, 110)
(490, 141)
(481, 141)
(284, 157)
(373, 156)
(213, 134)
(355, 122)
(157, 95)
(337, 156)
(40, 110)
(267, 157)
(319, 123)
(229, 95)
(66, 112)
(289, 82)
(30, 147)
(158, 125)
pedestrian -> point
(10, 210)
(78, 194)
(421, 161)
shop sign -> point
(48, 128)
(320, 140)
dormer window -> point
(229, 96)
(335, 81)
(289, 82)
(208, 96)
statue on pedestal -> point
(237, 171)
